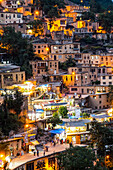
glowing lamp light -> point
(26, 126)
(73, 73)
(49, 88)
(107, 156)
(37, 12)
(1, 156)
(47, 49)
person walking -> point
(37, 152)
(44, 153)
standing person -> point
(34, 152)
(54, 143)
(37, 152)
(44, 152)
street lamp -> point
(37, 12)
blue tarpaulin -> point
(39, 110)
(57, 131)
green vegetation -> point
(37, 27)
(10, 118)
(110, 94)
(96, 6)
(19, 50)
(85, 115)
(78, 158)
(63, 111)
(70, 62)
(100, 137)
(50, 8)
(54, 120)
(88, 16)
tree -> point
(78, 158)
(54, 120)
(19, 50)
(37, 27)
(100, 136)
(105, 19)
(70, 62)
(85, 115)
(88, 16)
(10, 121)
(15, 102)
(110, 95)
(50, 8)
(63, 111)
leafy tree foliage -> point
(85, 115)
(63, 111)
(78, 158)
(10, 121)
(54, 120)
(70, 62)
(19, 50)
(50, 8)
(100, 136)
(37, 27)
(88, 16)
(106, 21)
(15, 103)
(110, 95)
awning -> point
(39, 110)
(57, 131)
(35, 142)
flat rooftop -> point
(7, 67)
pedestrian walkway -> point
(16, 162)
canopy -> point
(34, 142)
(57, 131)
(39, 110)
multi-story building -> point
(44, 67)
(10, 74)
(11, 17)
(62, 51)
(11, 4)
(41, 47)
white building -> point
(10, 17)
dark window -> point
(100, 102)
(54, 57)
(16, 77)
(50, 64)
(38, 51)
(73, 89)
(82, 90)
(110, 77)
(30, 166)
(2, 15)
(100, 96)
(87, 90)
(104, 77)
(18, 16)
(103, 70)
(21, 76)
